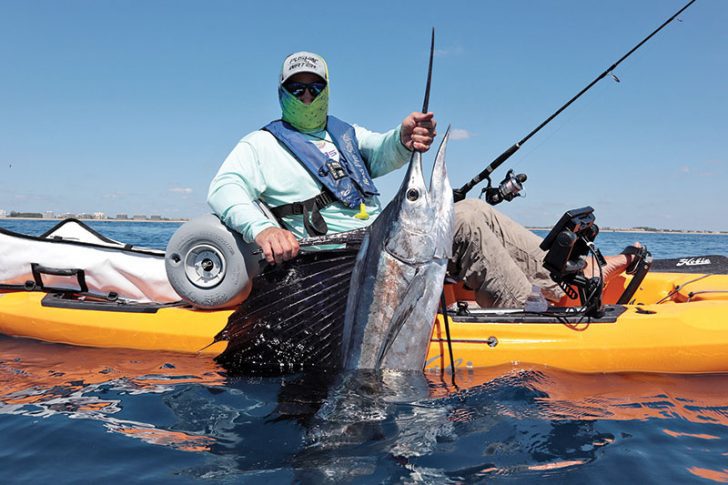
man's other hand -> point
(278, 244)
(418, 131)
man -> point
(316, 171)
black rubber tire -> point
(209, 265)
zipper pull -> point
(362, 212)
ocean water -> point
(140, 233)
(157, 234)
(80, 415)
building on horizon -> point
(26, 215)
(3, 213)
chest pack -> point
(346, 180)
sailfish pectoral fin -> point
(409, 302)
(293, 319)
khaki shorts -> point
(497, 257)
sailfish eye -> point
(413, 194)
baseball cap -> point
(304, 62)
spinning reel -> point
(509, 188)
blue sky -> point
(131, 106)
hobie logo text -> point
(692, 261)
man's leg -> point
(497, 257)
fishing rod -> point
(426, 102)
(443, 302)
(512, 184)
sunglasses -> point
(297, 89)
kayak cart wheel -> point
(209, 265)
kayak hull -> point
(176, 329)
(666, 341)
(686, 332)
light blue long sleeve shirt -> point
(260, 168)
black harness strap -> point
(315, 224)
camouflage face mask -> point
(306, 118)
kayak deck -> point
(676, 323)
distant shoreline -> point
(645, 231)
(58, 219)
(181, 221)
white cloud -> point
(460, 134)
(114, 195)
(709, 168)
(453, 51)
(181, 190)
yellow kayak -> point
(675, 323)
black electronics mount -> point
(567, 246)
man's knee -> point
(472, 213)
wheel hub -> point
(204, 266)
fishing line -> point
(446, 319)
(567, 121)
